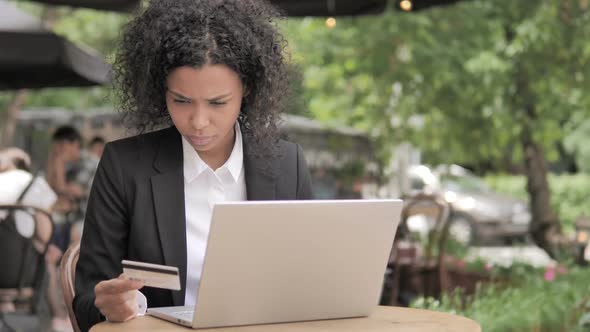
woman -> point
(214, 70)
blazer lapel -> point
(260, 180)
(168, 194)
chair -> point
(67, 269)
(22, 267)
(406, 260)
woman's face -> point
(204, 105)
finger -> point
(119, 285)
(128, 310)
(106, 303)
(110, 301)
(122, 276)
(121, 315)
(116, 310)
(106, 300)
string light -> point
(406, 5)
(330, 22)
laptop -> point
(290, 261)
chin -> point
(203, 148)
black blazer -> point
(136, 210)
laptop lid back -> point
(285, 261)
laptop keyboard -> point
(184, 313)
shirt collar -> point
(193, 165)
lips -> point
(200, 140)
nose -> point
(199, 118)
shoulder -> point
(295, 182)
(142, 141)
(40, 194)
(16, 177)
(289, 156)
(139, 152)
(13, 182)
(287, 149)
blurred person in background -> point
(96, 147)
(63, 155)
(18, 186)
(88, 163)
(84, 175)
(61, 171)
(62, 166)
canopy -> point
(331, 7)
(416, 5)
(292, 7)
(32, 56)
(114, 5)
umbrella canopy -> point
(415, 5)
(32, 56)
(331, 7)
(291, 7)
(114, 5)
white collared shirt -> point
(203, 187)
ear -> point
(245, 91)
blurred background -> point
(477, 108)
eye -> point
(217, 103)
(181, 101)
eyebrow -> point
(178, 95)
(220, 96)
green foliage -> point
(584, 322)
(447, 79)
(576, 140)
(570, 198)
(96, 29)
(454, 248)
(78, 99)
(513, 185)
(350, 173)
(5, 98)
(529, 303)
(569, 194)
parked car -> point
(479, 215)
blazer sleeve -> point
(304, 190)
(103, 245)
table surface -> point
(383, 319)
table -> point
(393, 319)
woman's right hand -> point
(117, 298)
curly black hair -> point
(241, 34)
